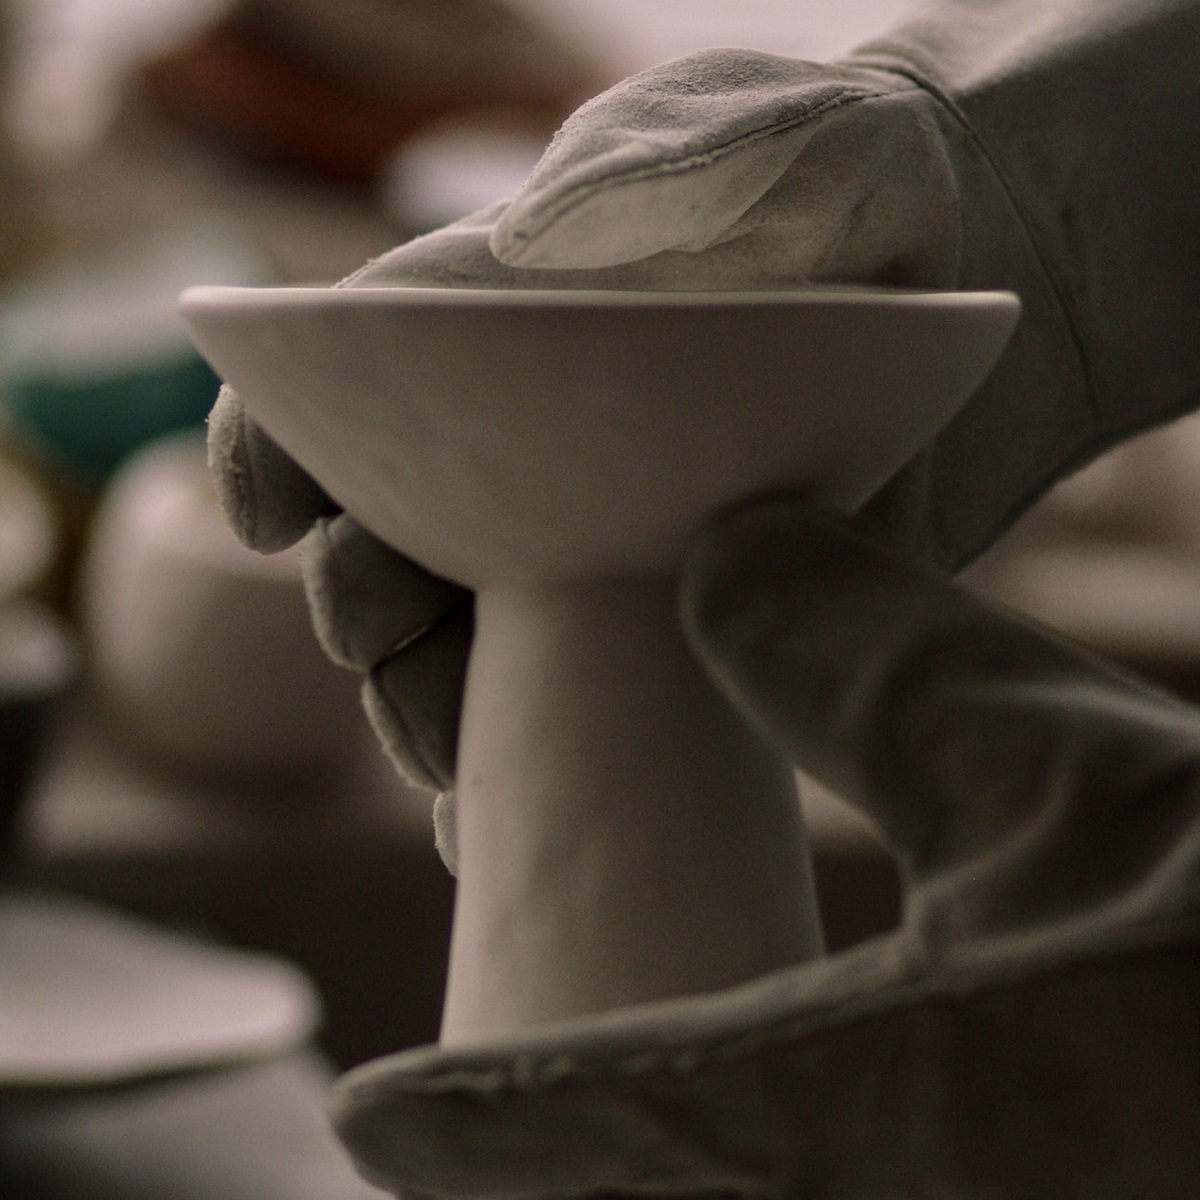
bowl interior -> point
(533, 435)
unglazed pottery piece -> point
(623, 834)
(192, 638)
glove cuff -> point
(858, 1075)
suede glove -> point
(1045, 148)
(1030, 1030)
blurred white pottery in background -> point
(93, 998)
(28, 536)
(203, 647)
(623, 835)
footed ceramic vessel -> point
(623, 834)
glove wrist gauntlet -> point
(1072, 130)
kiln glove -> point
(1025, 785)
(1029, 1030)
(1045, 148)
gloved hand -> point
(874, 203)
(972, 148)
(374, 610)
(1029, 1030)
(1026, 786)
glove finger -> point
(414, 699)
(267, 497)
(366, 599)
(957, 727)
(670, 158)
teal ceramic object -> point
(92, 424)
(94, 360)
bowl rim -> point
(210, 296)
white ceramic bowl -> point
(523, 434)
(556, 452)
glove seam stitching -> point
(425, 774)
(432, 774)
(914, 75)
(430, 626)
(581, 194)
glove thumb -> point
(671, 158)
